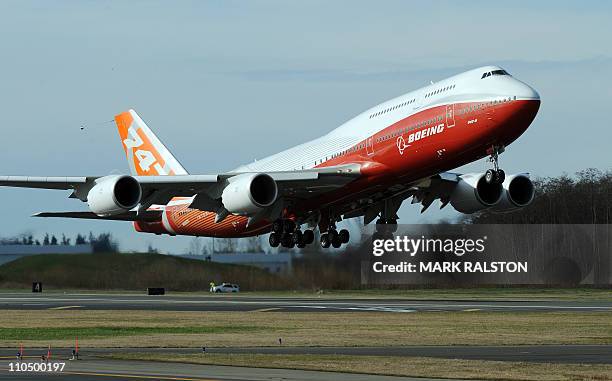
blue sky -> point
(226, 82)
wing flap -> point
(145, 216)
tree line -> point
(103, 242)
(206, 246)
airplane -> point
(402, 148)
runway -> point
(148, 370)
(27, 301)
(560, 354)
(91, 367)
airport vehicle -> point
(225, 287)
(402, 148)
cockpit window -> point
(494, 72)
(499, 72)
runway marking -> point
(64, 307)
(358, 308)
(142, 377)
(265, 309)
(472, 310)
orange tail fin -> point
(146, 154)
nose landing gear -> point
(495, 175)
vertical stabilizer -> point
(146, 154)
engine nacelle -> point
(248, 193)
(472, 193)
(114, 195)
(519, 191)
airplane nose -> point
(523, 91)
(531, 93)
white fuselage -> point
(464, 87)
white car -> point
(225, 287)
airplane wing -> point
(207, 188)
(424, 191)
(187, 185)
(146, 216)
(43, 182)
(292, 185)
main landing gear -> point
(385, 227)
(334, 238)
(285, 232)
(495, 175)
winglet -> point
(146, 154)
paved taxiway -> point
(283, 304)
(148, 370)
(572, 354)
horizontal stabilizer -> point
(146, 216)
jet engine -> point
(248, 193)
(473, 193)
(114, 195)
(518, 192)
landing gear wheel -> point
(277, 226)
(376, 236)
(501, 176)
(308, 237)
(325, 240)
(386, 225)
(381, 225)
(493, 176)
(344, 235)
(391, 225)
(289, 225)
(490, 176)
(274, 239)
(287, 240)
(298, 237)
(336, 241)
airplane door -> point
(450, 115)
(490, 112)
(370, 146)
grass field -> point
(149, 329)
(129, 272)
(60, 333)
(399, 366)
(194, 329)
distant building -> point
(273, 263)
(9, 253)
